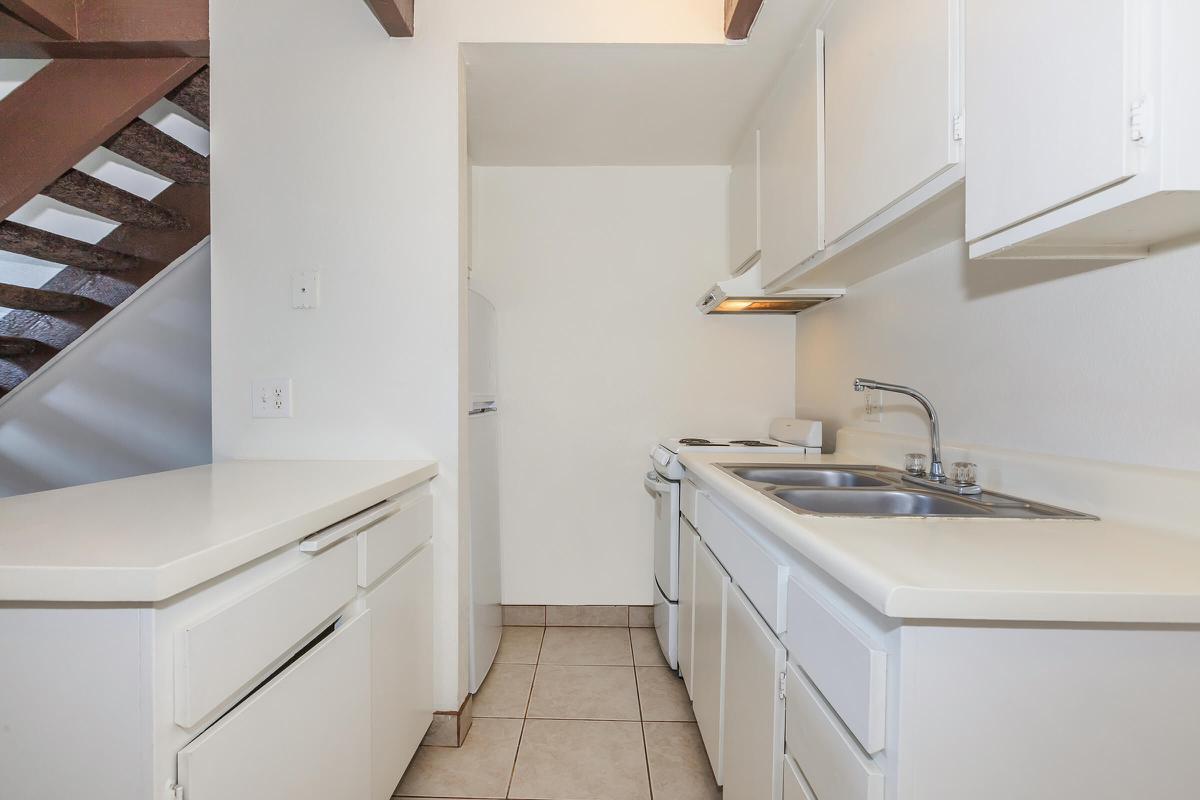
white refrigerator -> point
(483, 443)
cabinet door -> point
(401, 669)
(708, 657)
(306, 735)
(1048, 88)
(744, 203)
(793, 163)
(754, 664)
(892, 89)
(688, 541)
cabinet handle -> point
(323, 540)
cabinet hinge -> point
(783, 686)
(958, 127)
(1140, 120)
(174, 792)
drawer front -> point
(830, 759)
(843, 663)
(757, 572)
(306, 735)
(688, 492)
(794, 785)
(386, 543)
(217, 656)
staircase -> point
(116, 148)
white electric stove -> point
(662, 483)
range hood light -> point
(743, 294)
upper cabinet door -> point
(892, 91)
(793, 180)
(744, 204)
(1049, 88)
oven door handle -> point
(654, 486)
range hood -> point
(743, 294)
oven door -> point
(666, 534)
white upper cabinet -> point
(792, 141)
(892, 92)
(1050, 90)
(744, 204)
(1084, 118)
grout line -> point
(520, 739)
(641, 720)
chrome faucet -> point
(936, 472)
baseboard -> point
(450, 728)
(580, 616)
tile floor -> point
(573, 714)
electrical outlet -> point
(272, 398)
(306, 290)
(873, 408)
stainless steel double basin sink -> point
(874, 491)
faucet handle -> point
(914, 464)
(963, 473)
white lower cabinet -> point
(304, 736)
(689, 540)
(708, 659)
(401, 669)
(754, 664)
(795, 787)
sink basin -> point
(817, 477)
(880, 503)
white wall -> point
(594, 273)
(129, 398)
(1098, 364)
(339, 149)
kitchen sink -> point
(880, 503)
(875, 491)
(808, 476)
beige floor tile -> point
(646, 652)
(663, 695)
(679, 768)
(524, 615)
(587, 647)
(584, 693)
(641, 616)
(581, 760)
(505, 691)
(480, 768)
(599, 616)
(519, 646)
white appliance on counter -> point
(662, 483)
(483, 442)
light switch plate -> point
(272, 398)
(306, 290)
(873, 408)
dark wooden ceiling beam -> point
(110, 29)
(396, 16)
(68, 109)
(17, 346)
(82, 191)
(192, 95)
(740, 16)
(53, 18)
(142, 142)
(28, 299)
(37, 243)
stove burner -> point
(753, 443)
(696, 442)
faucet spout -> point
(936, 471)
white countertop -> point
(981, 569)
(148, 538)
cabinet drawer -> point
(306, 735)
(688, 492)
(217, 656)
(406, 525)
(830, 759)
(849, 670)
(794, 785)
(760, 576)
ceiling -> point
(624, 104)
